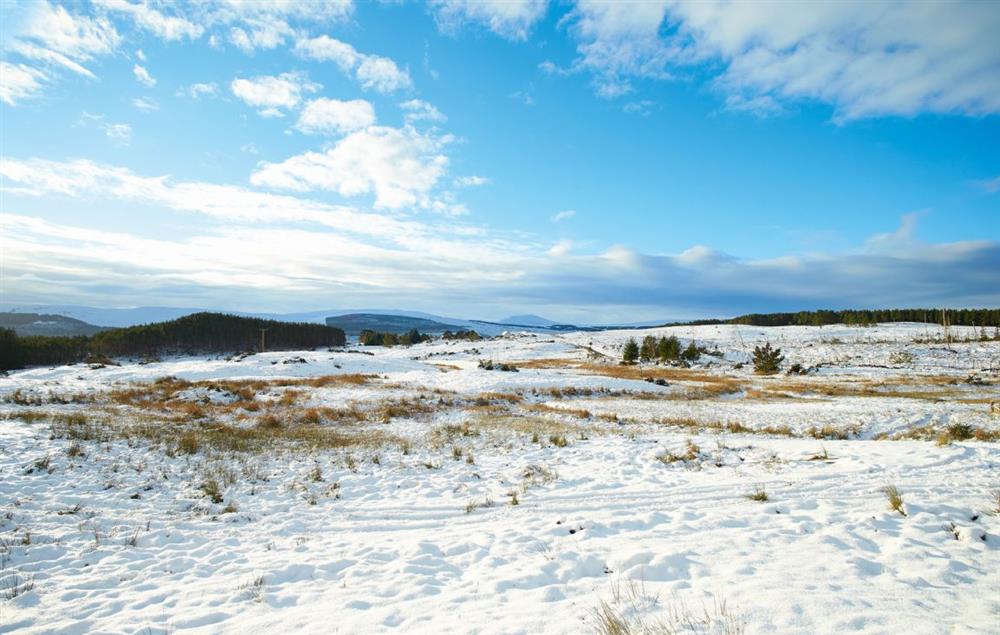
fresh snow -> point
(375, 547)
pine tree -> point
(631, 351)
(647, 352)
(668, 348)
(767, 360)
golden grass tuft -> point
(894, 498)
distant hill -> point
(191, 334)
(25, 324)
(354, 323)
(151, 314)
(528, 320)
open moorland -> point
(526, 483)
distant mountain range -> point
(150, 314)
(26, 324)
(354, 323)
(96, 318)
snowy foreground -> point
(344, 492)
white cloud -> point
(471, 181)
(332, 116)
(266, 24)
(641, 107)
(265, 36)
(53, 35)
(144, 104)
(550, 68)
(865, 59)
(143, 76)
(140, 55)
(371, 71)
(20, 82)
(512, 19)
(561, 248)
(563, 215)
(523, 96)
(374, 251)
(199, 90)
(87, 179)
(400, 166)
(271, 95)
(420, 110)
(384, 259)
(166, 27)
(48, 56)
(326, 49)
(620, 40)
(382, 75)
(119, 133)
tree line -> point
(368, 337)
(866, 317)
(664, 349)
(191, 334)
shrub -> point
(767, 360)
(691, 353)
(488, 364)
(901, 358)
(210, 487)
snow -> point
(397, 536)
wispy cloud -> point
(144, 104)
(558, 217)
(119, 133)
(893, 58)
(373, 72)
(512, 19)
(142, 76)
(991, 185)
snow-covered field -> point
(409, 489)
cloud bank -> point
(267, 252)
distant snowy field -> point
(345, 492)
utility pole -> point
(262, 331)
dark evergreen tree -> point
(631, 351)
(767, 360)
(668, 348)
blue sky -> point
(592, 162)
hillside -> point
(25, 324)
(197, 333)
(527, 319)
(353, 323)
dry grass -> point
(632, 610)
(954, 432)
(759, 494)
(894, 498)
(580, 413)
